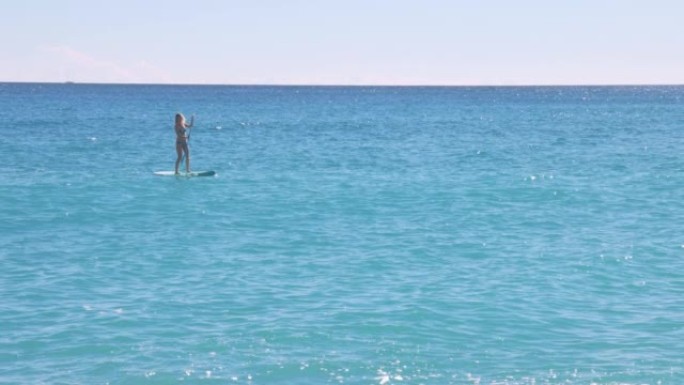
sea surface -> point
(352, 235)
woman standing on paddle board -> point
(182, 137)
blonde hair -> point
(180, 119)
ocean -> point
(352, 235)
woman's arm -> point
(192, 122)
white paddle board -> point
(186, 174)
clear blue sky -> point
(431, 42)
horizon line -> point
(346, 85)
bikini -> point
(181, 139)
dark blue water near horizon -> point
(353, 235)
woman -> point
(182, 140)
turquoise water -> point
(352, 236)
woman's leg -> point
(187, 156)
(179, 155)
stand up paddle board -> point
(185, 174)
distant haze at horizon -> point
(433, 43)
